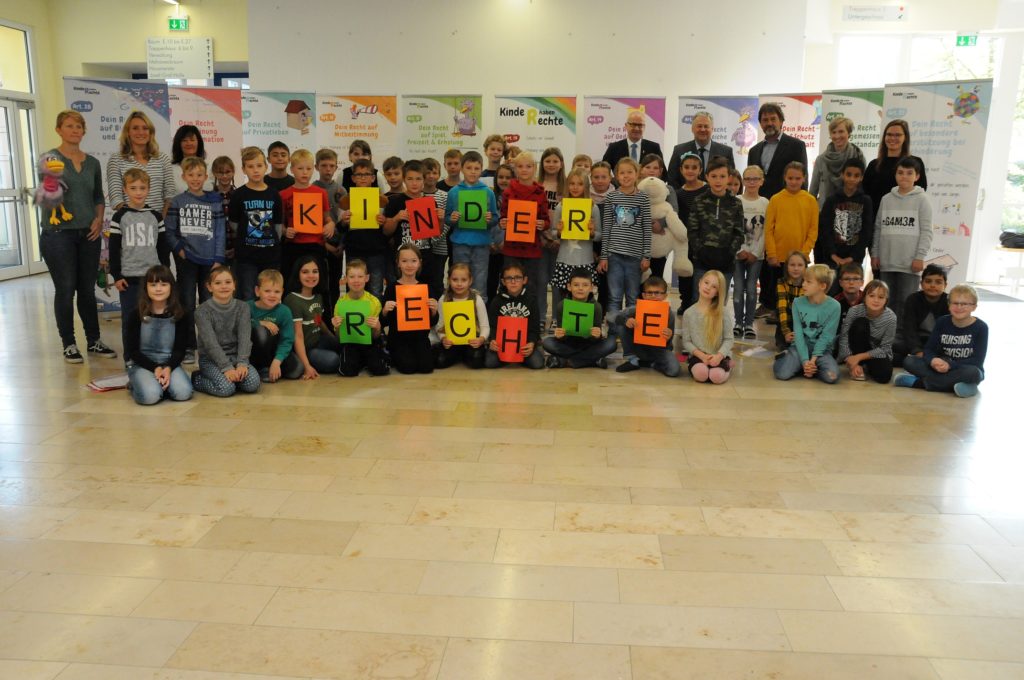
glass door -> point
(19, 236)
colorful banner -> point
(803, 118)
(433, 124)
(105, 104)
(342, 119)
(217, 112)
(735, 123)
(536, 123)
(947, 131)
(279, 116)
(864, 108)
(603, 121)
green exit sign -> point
(177, 24)
(967, 40)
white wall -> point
(539, 47)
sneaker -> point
(190, 357)
(761, 312)
(965, 390)
(737, 332)
(858, 378)
(101, 350)
(905, 380)
(72, 355)
(749, 333)
(554, 362)
(626, 367)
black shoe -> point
(101, 350)
(737, 332)
(72, 355)
(601, 363)
(554, 362)
(627, 367)
(749, 333)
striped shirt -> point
(161, 180)
(881, 327)
(626, 225)
(439, 244)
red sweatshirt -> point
(520, 192)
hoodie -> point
(903, 229)
(523, 305)
(521, 192)
(470, 237)
(846, 227)
(196, 225)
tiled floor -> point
(507, 525)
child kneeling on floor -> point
(815, 321)
(706, 330)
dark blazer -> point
(790, 149)
(714, 149)
(620, 149)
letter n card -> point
(423, 220)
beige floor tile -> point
(543, 492)
(418, 450)
(470, 512)
(481, 435)
(752, 461)
(1011, 528)
(772, 523)
(430, 470)
(459, 544)
(337, 507)
(893, 464)
(640, 624)
(49, 492)
(112, 559)
(956, 669)
(915, 596)
(660, 663)
(105, 672)
(92, 639)
(734, 480)
(211, 500)
(907, 560)
(850, 502)
(394, 487)
(420, 615)
(279, 535)
(520, 582)
(903, 528)
(276, 480)
(30, 670)
(746, 555)
(605, 476)
(101, 496)
(956, 637)
(893, 485)
(309, 653)
(9, 577)
(718, 498)
(77, 594)
(667, 459)
(1007, 562)
(314, 445)
(139, 528)
(629, 519)
(702, 589)
(511, 660)
(537, 454)
(555, 548)
(16, 469)
(145, 475)
(30, 521)
(640, 440)
(210, 602)
(329, 572)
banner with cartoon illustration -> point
(863, 107)
(432, 124)
(603, 121)
(342, 119)
(279, 116)
(947, 131)
(735, 123)
(536, 123)
(217, 112)
(803, 118)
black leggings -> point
(410, 352)
(264, 349)
(354, 358)
(473, 357)
(879, 370)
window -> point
(15, 69)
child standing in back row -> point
(529, 256)
(748, 259)
(257, 217)
(573, 254)
(472, 245)
(626, 241)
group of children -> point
(230, 246)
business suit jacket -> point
(620, 149)
(790, 149)
(714, 149)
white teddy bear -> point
(673, 238)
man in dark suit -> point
(701, 144)
(775, 151)
(773, 155)
(634, 145)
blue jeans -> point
(623, 282)
(326, 356)
(662, 359)
(789, 365)
(73, 261)
(146, 390)
(478, 258)
(698, 274)
(744, 295)
(579, 352)
(942, 382)
(191, 278)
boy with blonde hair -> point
(273, 332)
(815, 322)
(299, 242)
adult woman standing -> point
(71, 249)
(188, 141)
(138, 149)
(825, 179)
(880, 176)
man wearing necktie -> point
(702, 126)
(634, 145)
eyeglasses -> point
(963, 304)
(636, 125)
(513, 278)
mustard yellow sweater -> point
(791, 223)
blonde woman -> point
(138, 149)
